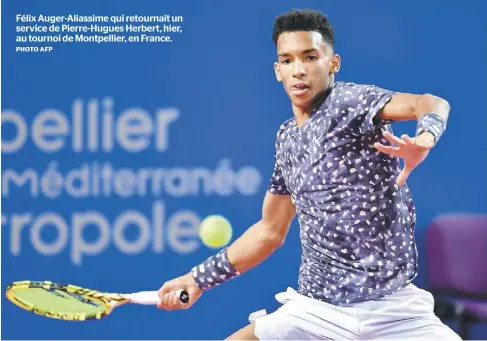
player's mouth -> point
(299, 89)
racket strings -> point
(61, 301)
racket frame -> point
(107, 300)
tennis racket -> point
(73, 303)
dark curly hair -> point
(304, 20)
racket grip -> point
(183, 296)
(152, 297)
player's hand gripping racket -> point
(69, 302)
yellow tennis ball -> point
(215, 231)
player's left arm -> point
(431, 113)
(405, 107)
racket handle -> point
(152, 297)
(183, 296)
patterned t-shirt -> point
(356, 223)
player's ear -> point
(335, 63)
(277, 71)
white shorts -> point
(405, 315)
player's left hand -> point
(413, 150)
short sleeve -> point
(361, 104)
(277, 185)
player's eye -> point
(311, 57)
(285, 61)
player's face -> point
(305, 66)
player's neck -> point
(301, 114)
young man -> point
(337, 166)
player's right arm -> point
(265, 236)
(250, 249)
(253, 247)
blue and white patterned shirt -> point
(356, 223)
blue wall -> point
(213, 107)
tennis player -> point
(337, 167)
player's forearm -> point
(254, 246)
(427, 104)
(432, 115)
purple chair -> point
(456, 248)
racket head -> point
(62, 301)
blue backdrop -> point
(112, 153)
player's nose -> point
(298, 69)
